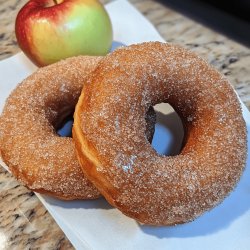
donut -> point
(30, 146)
(115, 156)
(35, 154)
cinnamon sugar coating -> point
(30, 146)
(114, 154)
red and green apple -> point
(50, 30)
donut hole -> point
(169, 131)
(65, 129)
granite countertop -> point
(24, 222)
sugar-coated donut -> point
(30, 146)
(114, 154)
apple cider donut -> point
(30, 146)
(114, 154)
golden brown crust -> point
(36, 155)
(30, 146)
(110, 140)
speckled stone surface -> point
(24, 222)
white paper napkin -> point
(95, 224)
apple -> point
(50, 30)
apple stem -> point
(55, 1)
